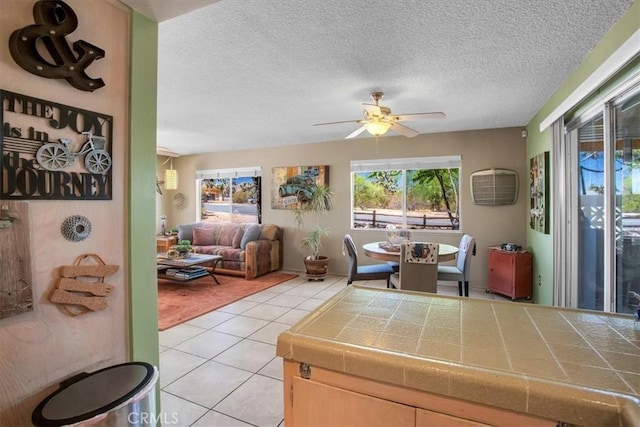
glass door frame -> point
(566, 214)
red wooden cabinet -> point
(510, 273)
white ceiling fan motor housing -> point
(494, 187)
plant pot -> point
(316, 268)
(174, 253)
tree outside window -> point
(420, 198)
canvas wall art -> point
(539, 193)
(293, 186)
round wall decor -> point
(178, 200)
(75, 228)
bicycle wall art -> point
(52, 151)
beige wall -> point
(491, 225)
(40, 348)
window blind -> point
(410, 163)
(229, 173)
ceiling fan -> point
(378, 119)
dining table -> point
(385, 251)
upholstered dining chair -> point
(364, 272)
(418, 267)
(462, 270)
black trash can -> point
(120, 395)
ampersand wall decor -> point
(54, 20)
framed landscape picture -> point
(539, 192)
(293, 186)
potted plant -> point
(183, 248)
(320, 202)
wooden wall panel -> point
(16, 294)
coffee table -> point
(208, 262)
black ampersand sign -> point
(54, 20)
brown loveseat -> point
(247, 250)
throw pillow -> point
(237, 237)
(203, 237)
(185, 231)
(250, 234)
(225, 235)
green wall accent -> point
(142, 191)
(539, 243)
(542, 244)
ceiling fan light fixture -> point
(377, 128)
(378, 120)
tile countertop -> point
(576, 366)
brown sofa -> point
(247, 250)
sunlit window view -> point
(225, 200)
(600, 179)
(424, 198)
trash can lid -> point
(80, 399)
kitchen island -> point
(390, 357)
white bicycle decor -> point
(55, 156)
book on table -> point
(191, 272)
(193, 269)
(171, 271)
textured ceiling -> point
(239, 74)
(161, 10)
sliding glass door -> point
(626, 134)
(591, 210)
(602, 207)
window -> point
(413, 193)
(230, 195)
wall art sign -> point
(54, 21)
(292, 186)
(52, 151)
(539, 190)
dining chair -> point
(364, 272)
(395, 265)
(418, 267)
(462, 270)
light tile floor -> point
(220, 369)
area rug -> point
(180, 302)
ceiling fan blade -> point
(355, 132)
(403, 130)
(372, 109)
(420, 116)
(334, 123)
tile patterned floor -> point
(220, 369)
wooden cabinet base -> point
(321, 405)
(330, 398)
(510, 273)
